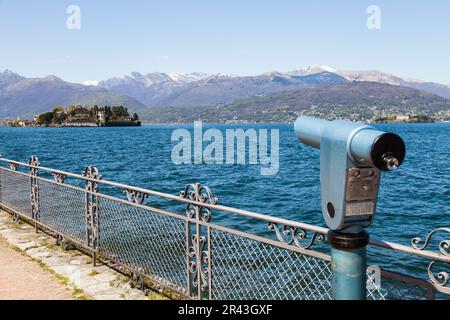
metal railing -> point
(176, 242)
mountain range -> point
(26, 97)
(160, 89)
(154, 94)
(380, 77)
(164, 90)
(351, 100)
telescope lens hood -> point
(388, 145)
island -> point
(87, 116)
(409, 118)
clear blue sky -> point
(229, 36)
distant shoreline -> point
(269, 123)
(143, 123)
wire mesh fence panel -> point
(148, 242)
(203, 260)
(246, 269)
(392, 288)
(16, 191)
(63, 209)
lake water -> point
(413, 201)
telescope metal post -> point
(349, 265)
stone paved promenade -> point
(32, 266)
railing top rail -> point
(409, 250)
(269, 219)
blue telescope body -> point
(352, 158)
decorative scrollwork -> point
(65, 244)
(198, 193)
(59, 177)
(441, 278)
(443, 245)
(14, 166)
(135, 196)
(197, 237)
(16, 217)
(92, 173)
(295, 236)
(34, 162)
(92, 206)
(34, 184)
(137, 280)
(198, 262)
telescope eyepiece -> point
(388, 152)
(391, 162)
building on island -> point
(403, 118)
(101, 116)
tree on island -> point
(135, 117)
(59, 116)
(108, 113)
(120, 111)
(58, 109)
(46, 118)
(94, 111)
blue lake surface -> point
(413, 201)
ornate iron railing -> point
(176, 242)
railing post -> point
(34, 188)
(198, 238)
(349, 265)
(92, 210)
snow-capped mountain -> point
(147, 80)
(156, 78)
(192, 89)
(92, 83)
(188, 77)
(150, 87)
(314, 69)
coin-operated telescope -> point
(352, 158)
